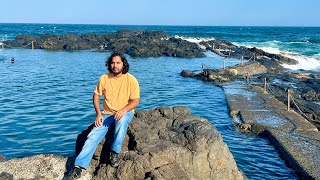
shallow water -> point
(45, 101)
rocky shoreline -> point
(262, 107)
(139, 43)
(163, 143)
(304, 87)
(135, 43)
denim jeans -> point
(98, 133)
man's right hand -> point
(98, 120)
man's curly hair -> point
(123, 59)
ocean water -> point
(45, 96)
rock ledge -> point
(163, 143)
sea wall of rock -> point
(136, 43)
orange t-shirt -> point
(117, 91)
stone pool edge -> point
(296, 139)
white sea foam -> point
(298, 42)
(195, 40)
(271, 50)
(304, 62)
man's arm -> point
(96, 105)
(131, 105)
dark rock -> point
(280, 58)
(163, 143)
(305, 91)
(272, 65)
(167, 143)
(225, 75)
(6, 176)
(186, 73)
(135, 43)
(227, 49)
(2, 158)
(166, 112)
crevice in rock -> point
(147, 175)
(132, 144)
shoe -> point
(114, 159)
(76, 173)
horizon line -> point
(162, 25)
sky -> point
(163, 12)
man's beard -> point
(116, 73)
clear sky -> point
(163, 12)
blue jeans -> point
(98, 133)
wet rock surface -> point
(304, 90)
(164, 143)
(297, 139)
(304, 87)
(135, 43)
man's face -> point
(116, 65)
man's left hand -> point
(120, 114)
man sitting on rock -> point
(121, 95)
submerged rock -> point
(186, 73)
(164, 143)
